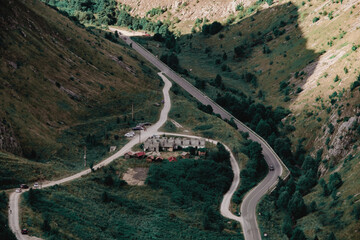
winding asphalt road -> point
(248, 207)
(150, 131)
(250, 201)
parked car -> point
(129, 134)
(24, 231)
(18, 190)
(137, 128)
(36, 185)
(144, 124)
(24, 186)
(271, 168)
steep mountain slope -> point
(302, 56)
(297, 55)
(293, 54)
(184, 13)
(63, 88)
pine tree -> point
(287, 226)
(218, 80)
(335, 181)
(283, 199)
(296, 205)
(298, 234)
(331, 236)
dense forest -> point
(106, 12)
(191, 181)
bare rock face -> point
(8, 141)
(343, 139)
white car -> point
(36, 185)
(18, 190)
(129, 134)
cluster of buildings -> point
(157, 144)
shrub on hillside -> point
(335, 181)
(355, 84)
(200, 83)
(212, 29)
(331, 128)
(356, 212)
(249, 78)
(297, 206)
(287, 226)
(171, 60)
(218, 81)
(298, 234)
(315, 19)
(242, 51)
(266, 49)
(205, 108)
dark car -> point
(137, 128)
(24, 231)
(24, 186)
(271, 168)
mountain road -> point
(250, 201)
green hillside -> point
(179, 200)
(287, 69)
(301, 56)
(63, 88)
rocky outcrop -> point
(343, 139)
(8, 141)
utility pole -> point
(41, 178)
(85, 156)
(132, 111)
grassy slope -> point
(182, 15)
(60, 83)
(145, 212)
(336, 215)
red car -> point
(24, 231)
